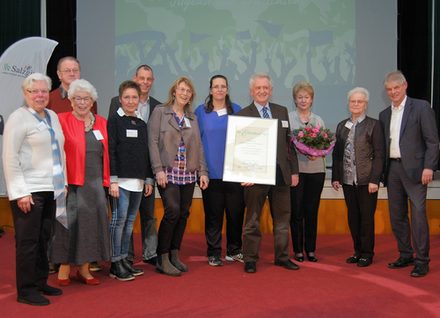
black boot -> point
(118, 271)
(129, 267)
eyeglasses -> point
(184, 90)
(36, 91)
(82, 99)
(68, 70)
(354, 102)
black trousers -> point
(304, 203)
(220, 198)
(361, 207)
(176, 200)
(33, 231)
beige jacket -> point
(164, 138)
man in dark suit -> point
(279, 195)
(145, 78)
(412, 149)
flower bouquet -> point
(313, 141)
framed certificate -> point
(251, 150)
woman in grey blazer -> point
(177, 160)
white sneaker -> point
(237, 257)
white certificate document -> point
(251, 150)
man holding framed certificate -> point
(286, 175)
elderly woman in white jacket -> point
(33, 160)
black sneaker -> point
(215, 261)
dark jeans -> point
(176, 200)
(218, 198)
(361, 207)
(33, 231)
(304, 203)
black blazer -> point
(115, 104)
(419, 143)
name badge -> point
(222, 112)
(349, 124)
(132, 133)
(98, 135)
(187, 122)
(42, 126)
(284, 124)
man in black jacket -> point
(144, 77)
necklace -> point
(89, 126)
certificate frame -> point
(251, 150)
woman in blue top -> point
(220, 196)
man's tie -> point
(265, 112)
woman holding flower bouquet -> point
(357, 167)
(309, 136)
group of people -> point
(68, 166)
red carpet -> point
(329, 288)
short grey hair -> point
(361, 90)
(81, 85)
(35, 77)
(395, 76)
(260, 75)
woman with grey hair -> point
(358, 159)
(33, 161)
(86, 237)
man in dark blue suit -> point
(412, 148)
(144, 77)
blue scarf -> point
(58, 171)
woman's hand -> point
(336, 185)
(24, 203)
(161, 179)
(204, 181)
(148, 190)
(372, 187)
(114, 189)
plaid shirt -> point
(178, 174)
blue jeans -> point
(123, 215)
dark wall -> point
(414, 46)
(61, 27)
(18, 19)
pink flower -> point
(313, 135)
(324, 135)
(300, 134)
(315, 130)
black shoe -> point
(299, 257)
(420, 270)
(34, 299)
(287, 265)
(364, 261)
(250, 267)
(118, 271)
(129, 267)
(311, 257)
(352, 259)
(151, 261)
(401, 262)
(50, 291)
(53, 268)
(94, 267)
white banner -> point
(24, 57)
